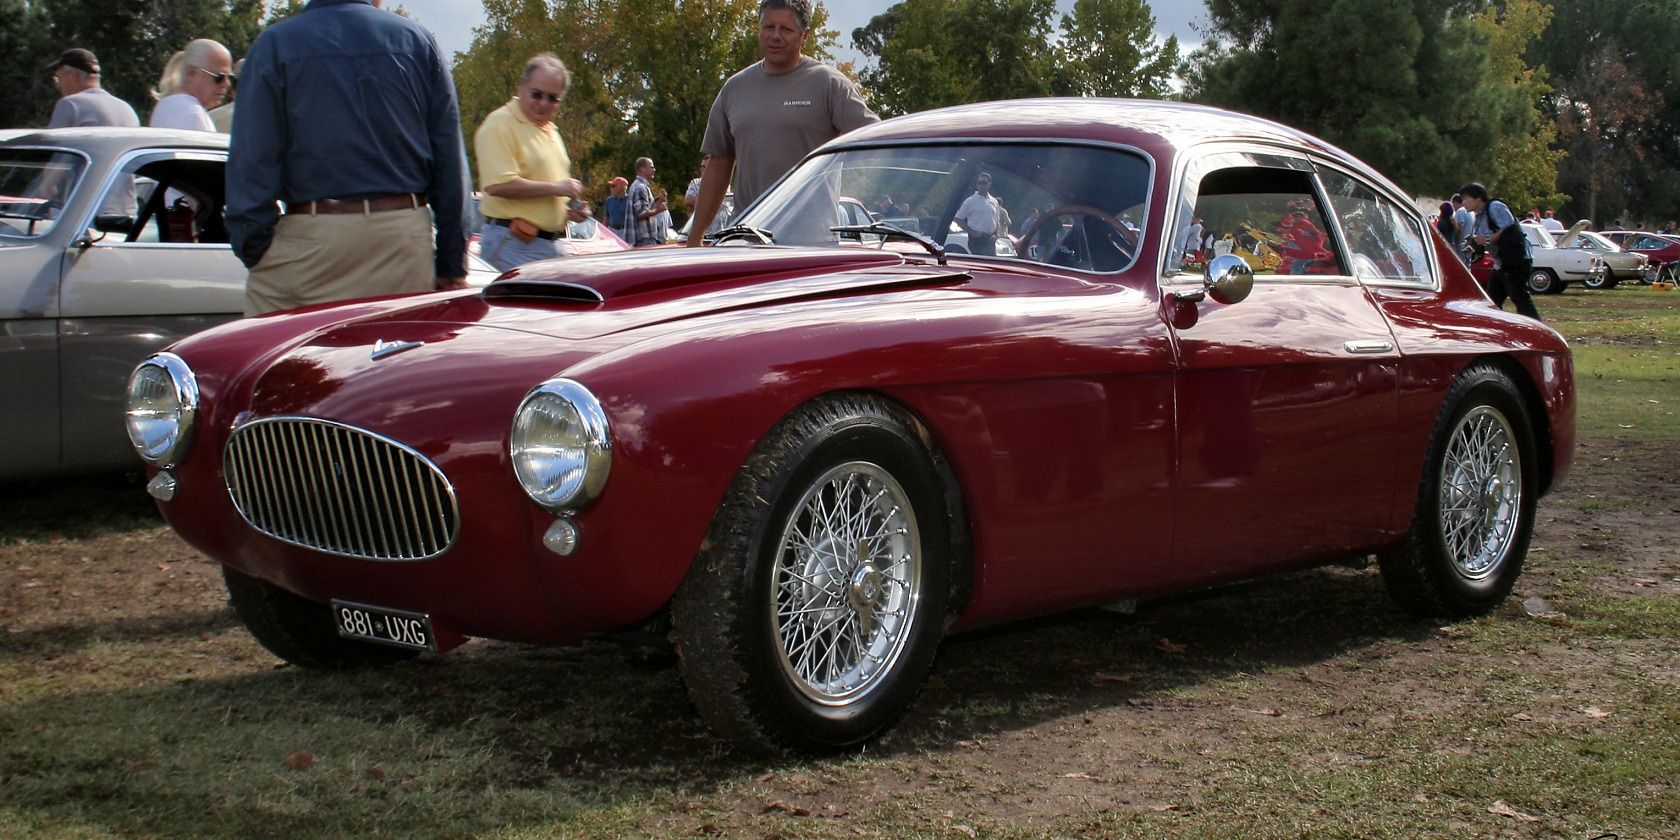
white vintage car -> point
(1619, 265)
(1555, 268)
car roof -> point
(1155, 126)
(102, 141)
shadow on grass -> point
(59, 639)
(75, 508)
(498, 737)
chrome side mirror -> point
(1228, 279)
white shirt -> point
(1551, 223)
(980, 212)
(181, 110)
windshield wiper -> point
(763, 236)
(885, 229)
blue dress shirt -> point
(344, 100)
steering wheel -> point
(1107, 218)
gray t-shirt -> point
(768, 121)
(93, 106)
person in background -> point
(1192, 245)
(981, 217)
(645, 207)
(1512, 262)
(524, 171)
(1465, 221)
(1550, 221)
(1445, 222)
(768, 116)
(222, 115)
(357, 175)
(618, 206)
(193, 82)
(81, 100)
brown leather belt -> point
(372, 204)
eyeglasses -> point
(219, 78)
(544, 96)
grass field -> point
(132, 704)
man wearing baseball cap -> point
(81, 100)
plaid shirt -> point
(640, 231)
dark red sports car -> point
(814, 449)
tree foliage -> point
(1406, 86)
(1525, 166)
(644, 74)
(931, 53)
(1615, 67)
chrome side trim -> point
(1368, 346)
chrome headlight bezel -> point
(567, 480)
(167, 450)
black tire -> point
(753, 594)
(1544, 281)
(1600, 282)
(301, 631)
(1433, 573)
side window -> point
(1384, 242)
(166, 197)
(1271, 218)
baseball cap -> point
(76, 59)
(618, 181)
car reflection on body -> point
(812, 450)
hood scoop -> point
(599, 279)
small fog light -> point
(562, 537)
(162, 487)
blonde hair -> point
(197, 53)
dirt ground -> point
(1051, 722)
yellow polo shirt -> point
(509, 146)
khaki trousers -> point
(328, 257)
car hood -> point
(440, 355)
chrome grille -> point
(339, 489)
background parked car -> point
(1554, 268)
(1663, 250)
(1619, 265)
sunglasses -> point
(544, 96)
(220, 78)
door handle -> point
(1368, 346)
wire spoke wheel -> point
(1480, 493)
(847, 579)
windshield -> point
(1078, 206)
(35, 185)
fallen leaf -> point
(1084, 776)
(1645, 582)
(1169, 646)
(1100, 677)
(1499, 807)
(1267, 712)
(1521, 716)
(1421, 799)
(1595, 712)
(766, 777)
(965, 830)
(1161, 809)
(300, 760)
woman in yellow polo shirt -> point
(524, 171)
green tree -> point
(28, 100)
(1525, 165)
(1616, 70)
(1403, 85)
(1109, 49)
(931, 53)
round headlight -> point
(162, 402)
(560, 446)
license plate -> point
(382, 626)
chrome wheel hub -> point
(847, 583)
(1480, 493)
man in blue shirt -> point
(1512, 260)
(347, 114)
(618, 207)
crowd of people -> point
(347, 175)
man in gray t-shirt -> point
(83, 101)
(771, 114)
